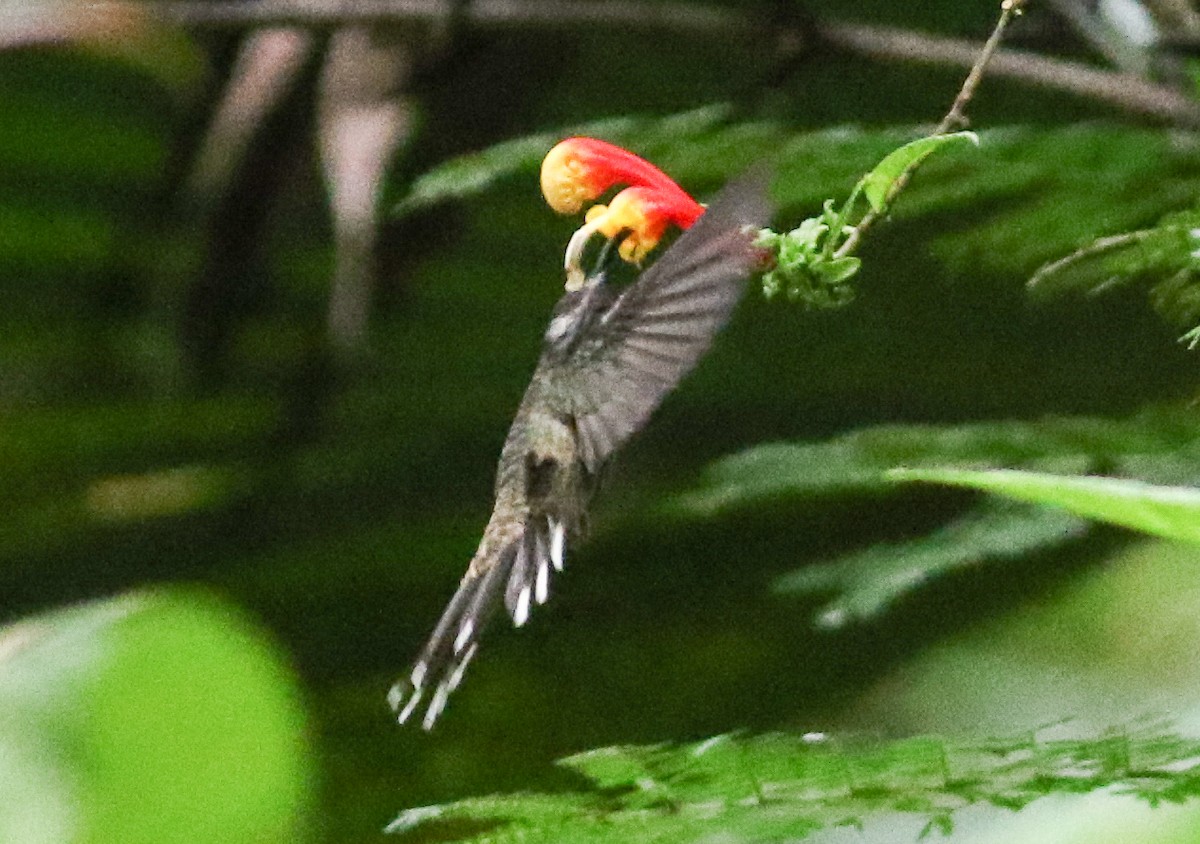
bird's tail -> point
(513, 563)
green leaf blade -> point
(878, 184)
(782, 787)
(854, 463)
(869, 581)
(1170, 512)
(154, 717)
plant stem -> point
(1126, 91)
(955, 119)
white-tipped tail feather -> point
(558, 543)
(440, 695)
(609, 360)
(412, 704)
(521, 610)
(517, 574)
(464, 634)
(542, 585)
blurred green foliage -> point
(156, 716)
(752, 566)
(784, 788)
(1169, 512)
(1165, 255)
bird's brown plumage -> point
(608, 361)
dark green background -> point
(338, 503)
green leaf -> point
(1165, 255)
(1172, 512)
(868, 581)
(838, 270)
(783, 787)
(1157, 443)
(877, 185)
(804, 267)
(1118, 259)
(154, 717)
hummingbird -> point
(610, 356)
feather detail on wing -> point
(514, 568)
(608, 381)
(665, 321)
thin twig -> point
(1123, 90)
(1100, 246)
(955, 119)
(490, 14)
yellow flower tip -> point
(567, 181)
(640, 214)
(634, 249)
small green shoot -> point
(880, 184)
(812, 262)
(805, 269)
(1167, 255)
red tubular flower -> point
(580, 170)
(641, 212)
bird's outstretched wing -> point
(661, 326)
(617, 372)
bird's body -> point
(609, 358)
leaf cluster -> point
(1156, 444)
(812, 262)
(784, 787)
(804, 268)
(1166, 257)
(1029, 196)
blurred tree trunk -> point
(363, 115)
